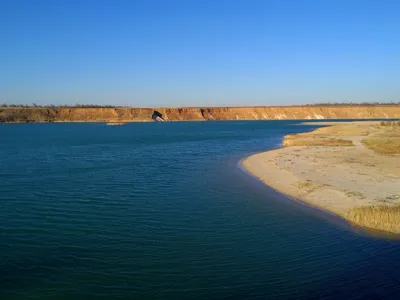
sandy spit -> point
(354, 183)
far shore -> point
(89, 114)
(349, 169)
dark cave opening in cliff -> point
(157, 116)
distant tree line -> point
(60, 106)
(116, 106)
(352, 104)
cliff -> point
(47, 114)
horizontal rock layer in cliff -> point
(43, 114)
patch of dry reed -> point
(328, 142)
(381, 217)
(383, 145)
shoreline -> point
(303, 122)
(316, 211)
(132, 114)
(322, 177)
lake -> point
(164, 211)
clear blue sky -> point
(199, 53)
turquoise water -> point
(162, 211)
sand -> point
(353, 182)
(116, 123)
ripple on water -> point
(159, 211)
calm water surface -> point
(162, 211)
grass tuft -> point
(328, 142)
(308, 186)
(390, 123)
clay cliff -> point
(47, 114)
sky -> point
(199, 53)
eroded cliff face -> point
(40, 115)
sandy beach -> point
(350, 170)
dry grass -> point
(390, 123)
(304, 185)
(346, 130)
(308, 186)
(383, 146)
(328, 142)
(387, 132)
(392, 199)
(329, 136)
(354, 194)
(387, 129)
(385, 139)
(380, 217)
